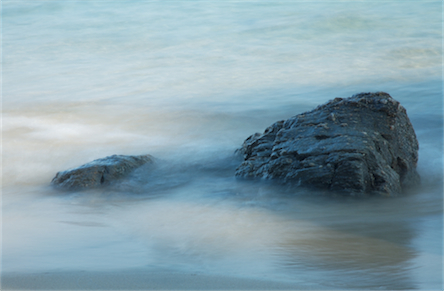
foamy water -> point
(187, 83)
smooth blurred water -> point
(187, 82)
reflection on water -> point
(199, 218)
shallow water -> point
(187, 83)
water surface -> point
(187, 82)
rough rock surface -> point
(360, 145)
(99, 172)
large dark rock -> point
(364, 144)
(99, 172)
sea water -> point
(187, 82)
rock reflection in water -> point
(368, 263)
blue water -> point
(187, 82)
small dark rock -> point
(360, 145)
(99, 172)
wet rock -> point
(99, 172)
(360, 145)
